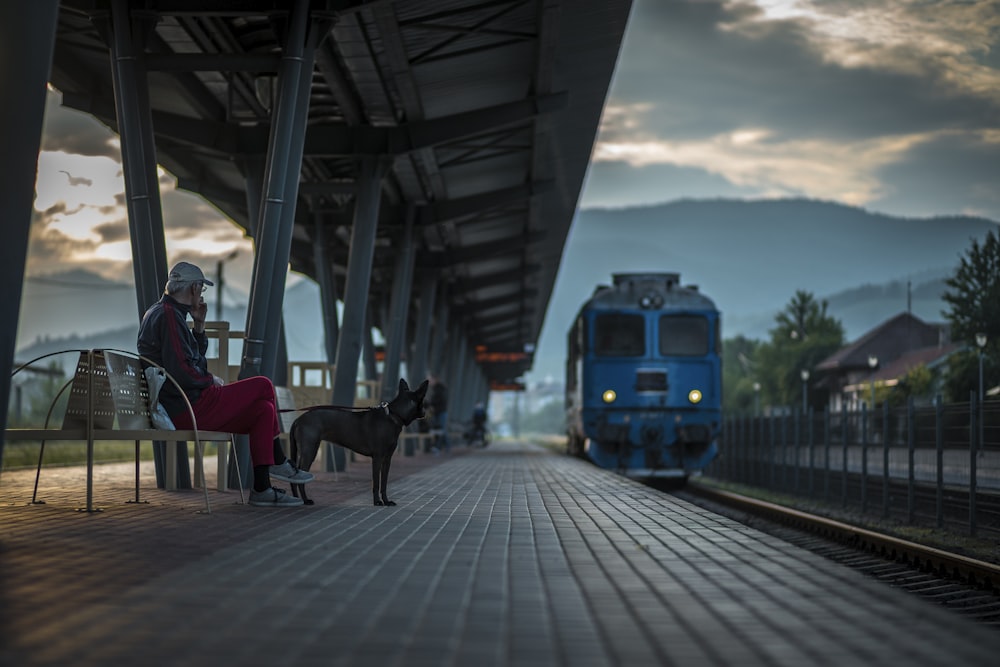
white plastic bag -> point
(155, 377)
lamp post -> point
(981, 343)
(873, 364)
(804, 374)
(756, 399)
(221, 282)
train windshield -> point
(619, 335)
(683, 336)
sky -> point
(889, 105)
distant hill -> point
(751, 256)
(54, 317)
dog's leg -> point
(299, 491)
(376, 465)
(384, 477)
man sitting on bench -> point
(247, 406)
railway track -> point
(965, 585)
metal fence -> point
(936, 465)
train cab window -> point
(619, 335)
(683, 336)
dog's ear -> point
(403, 386)
(422, 389)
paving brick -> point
(505, 556)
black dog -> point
(372, 432)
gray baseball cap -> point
(183, 272)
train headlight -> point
(694, 396)
(609, 396)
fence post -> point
(864, 456)
(911, 442)
(973, 445)
(741, 468)
(885, 459)
(784, 453)
(759, 454)
(843, 471)
(796, 446)
(770, 473)
(939, 447)
(812, 454)
(826, 454)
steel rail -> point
(945, 563)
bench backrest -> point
(90, 394)
(128, 390)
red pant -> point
(246, 406)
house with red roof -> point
(880, 358)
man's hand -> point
(217, 380)
(198, 313)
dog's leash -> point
(342, 408)
(383, 406)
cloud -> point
(69, 131)
(823, 99)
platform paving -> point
(512, 555)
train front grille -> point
(650, 380)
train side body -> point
(644, 377)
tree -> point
(917, 383)
(739, 372)
(973, 296)
(804, 335)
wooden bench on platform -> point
(109, 401)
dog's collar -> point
(392, 415)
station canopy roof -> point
(483, 111)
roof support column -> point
(418, 368)
(359, 271)
(370, 365)
(25, 28)
(441, 336)
(327, 289)
(135, 128)
(280, 190)
(465, 381)
(399, 309)
(142, 185)
(452, 371)
(253, 171)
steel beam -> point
(135, 129)
(25, 28)
(323, 270)
(270, 235)
(399, 308)
(416, 366)
(356, 286)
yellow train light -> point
(609, 396)
(694, 396)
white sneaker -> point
(286, 472)
(273, 497)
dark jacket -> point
(164, 337)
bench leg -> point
(136, 501)
(199, 471)
(222, 468)
(171, 468)
(239, 473)
(199, 464)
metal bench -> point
(109, 401)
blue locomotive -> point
(644, 377)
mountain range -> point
(750, 257)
